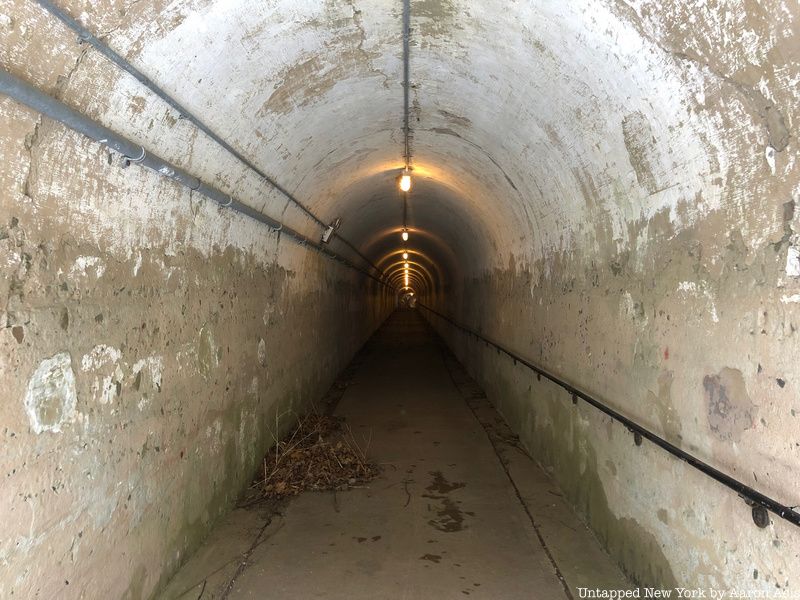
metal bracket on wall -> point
(33, 98)
(84, 36)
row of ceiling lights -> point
(405, 177)
(405, 187)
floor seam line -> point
(257, 541)
(517, 493)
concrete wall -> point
(151, 344)
(702, 356)
(684, 315)
(605, 186)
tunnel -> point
(538, 258)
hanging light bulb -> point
(406, 265)
(404, 235)
(405, 181)
(405, 255)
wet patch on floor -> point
(434, 558)
(441, 485)
(449, 516)
(361, 540)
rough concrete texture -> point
(606, 186)
(151, 344)
(457, 510)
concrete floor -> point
(459, 509)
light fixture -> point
(406, 265)
(405, 181)
(404, 235)
(405, 255)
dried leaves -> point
(320, 454)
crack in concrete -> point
(123, 13)
(774, 122)
(11, 313)
(64, 80)
(31, 140)
(773, 119)
(359, 23)
(358, 20)
(450, 132)
(245, 560)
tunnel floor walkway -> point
(459, 510)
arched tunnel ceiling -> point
(537, 126)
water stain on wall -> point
(665, 411)
(730, 410)
(575, 466)
(436, 18)
(299, 85)
(207, 352)
(312, 76)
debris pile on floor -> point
(320, 454)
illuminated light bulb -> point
(406, 265)
(405, 181)
(405, 255)
(404, 235)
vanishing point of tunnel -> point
(434, 299)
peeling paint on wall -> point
(793, 262)
(262, 353)
(51, 395)
(634, 184)
(84, 265)
(153, 366)
(208, 354)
